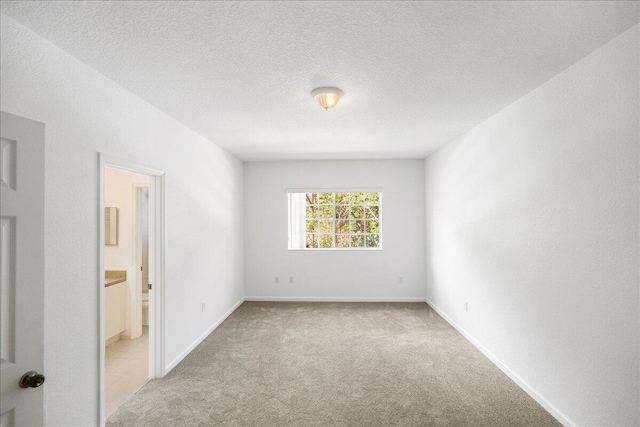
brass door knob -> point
(31, 379)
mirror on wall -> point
(110, 226)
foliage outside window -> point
(335, 220)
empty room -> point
(320, 213)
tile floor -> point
(126, 369)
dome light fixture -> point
(328, 97)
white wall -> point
(86, 113)
(119, 193)
(354, 274)
(532, 217)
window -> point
(347, 220)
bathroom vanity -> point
(115, 283)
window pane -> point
(325, 198)
(372, 227)
(372, 240)
(342, 226)
(357, 212)
(356, 227)
(312, 199)
(326, 211)
(357, 241)
(312, 211)
(342, 240)
(356, 198)
(342, 198)
(372, 198)
(312, 240)
(326, 226)
(372, 212)
(342, 211)
(312, 226)
(325, 240)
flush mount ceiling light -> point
(328, 97)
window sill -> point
(336, 249)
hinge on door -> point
(140, 268)
(150, 285)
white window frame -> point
(294, 232)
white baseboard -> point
(335, 299)
(201, 338)
(562, 418)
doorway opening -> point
(131, 259)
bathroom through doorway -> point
(132, 275)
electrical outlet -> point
(277, 280)
(290, 279)
(466, 306)
(400, 279)
(203, 307)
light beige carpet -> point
(333, 364)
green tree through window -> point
(342, 220)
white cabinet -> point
(114, 310)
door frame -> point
(137, 247)
(156, 250)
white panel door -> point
(21, 269)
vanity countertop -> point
(113, 277)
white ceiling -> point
(416, 75)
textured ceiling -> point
(416, 75)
